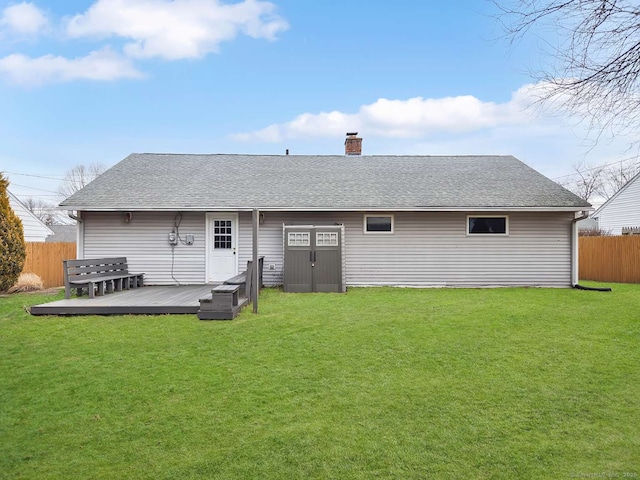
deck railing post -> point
(255, 285)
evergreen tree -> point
(12, 246)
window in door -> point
(299, 239)
(222, 237)
(326, 239)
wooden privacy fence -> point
(45, 260)
(610, 259)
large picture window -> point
(378, 224)
(488, 225)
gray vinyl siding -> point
(426, 249)
(622, 211)
(144, 242)
(433, 249)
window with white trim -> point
(487, 225)
(327, 239)
(299, 239)
(378, 224)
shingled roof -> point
(148, 181)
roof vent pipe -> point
(353, 144)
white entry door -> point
(222, 247)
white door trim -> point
(209, 240)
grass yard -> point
(377, 383)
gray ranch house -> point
(423, 221)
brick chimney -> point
(353, 144)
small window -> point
(299, 239)
(486, 225)
(222, 236)
(378, 223)
(326, 239)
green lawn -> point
(377, 383)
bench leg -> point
(91, 286)
(109, 286)
(118, 284)
(67, 291)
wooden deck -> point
(149, 300)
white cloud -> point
(168, 29)
(547, 138)
(23, 18)
(412, 118)
(176, 29)
(98, 65)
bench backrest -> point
(92, 268)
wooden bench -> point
(99, 275)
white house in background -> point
(34, 229)
(621, 213)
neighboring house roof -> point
(588, 224)
(613, 198)
(34, 229)
(149, 181)
(62, 233)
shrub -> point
(594, 232)
(27, 282)
(12, 247)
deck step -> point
(222, 304)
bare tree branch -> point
(590, 181)
(79, 177)
(616, 176)
(586, 182)
(596, 65)
(47, 212)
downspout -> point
(79, 233)
(574, 256)
(574, 247)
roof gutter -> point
(73, 216)
(365, 208)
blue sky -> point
(86, 82)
